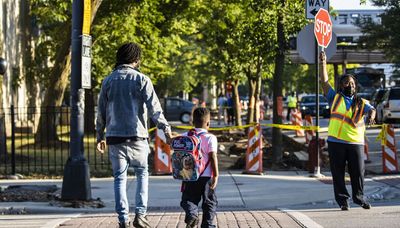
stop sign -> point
(323, 28)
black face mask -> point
(348, 91)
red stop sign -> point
(323, 28)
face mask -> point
(348, 91)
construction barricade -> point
(309, 134)
(295, 117)
(389, 151)
(254, 151)
(162, 155)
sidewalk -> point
(244, 201)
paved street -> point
(276, 199)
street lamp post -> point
(3, 146)
(76, 181)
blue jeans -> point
(122, 156)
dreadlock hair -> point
(128, 53)
(357, 101)
(200, 116)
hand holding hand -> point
(101, 146)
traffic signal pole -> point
(76, 181)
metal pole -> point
(12, 140)
(76, 182)
(317, 168)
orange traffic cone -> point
(309, 133)
(254, 151)
(162, 155)
(389, 156)
(295, 117)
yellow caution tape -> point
(281, 126)
(382, 135)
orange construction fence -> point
(389, 151)
(295, 117)
(254, 151)
(309, 134)
(162, 155)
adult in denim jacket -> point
(127, 98)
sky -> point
(350, 4)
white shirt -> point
(209, 143)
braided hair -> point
(128, 53)
(357, 101)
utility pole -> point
(76, 181)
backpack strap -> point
(205, 167)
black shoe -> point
(123, 224)
(344, 207)
(365, 205)
(141, 222)
(192, 222)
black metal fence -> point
(35, 141)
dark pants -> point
(353, 155)
(193, 192)
(289, 110)
(231, 115)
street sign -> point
(312, 7)
(323, 28)
(86, 61)
(306, 45)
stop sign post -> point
(323, 28)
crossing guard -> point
(162, 155)
(254, 151)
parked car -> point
(307, 106)
(389, 109)
(177, 109)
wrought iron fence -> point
(35, 140)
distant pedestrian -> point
(346, 133)
(205, 187)
(126, 98)
(230, 109)
(292, 104)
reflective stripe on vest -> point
(345, 124)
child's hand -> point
(214, 182)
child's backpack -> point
(187, 160)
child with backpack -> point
(202, 181)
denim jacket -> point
(126, 99)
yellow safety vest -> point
(346, 125)
(292, 102)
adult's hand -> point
(101, 146)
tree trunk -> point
(238, 110)
(47, 131)
(252, 90)
(257, 96)
(279, 65)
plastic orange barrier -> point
(308, 133)
(254, 151)
(162, 155)
(389, 156)
(295, 117)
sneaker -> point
(123, 224)
(192, 222)
(344, 207)
(141, 222)
(365, 205)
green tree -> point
(384, 35)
